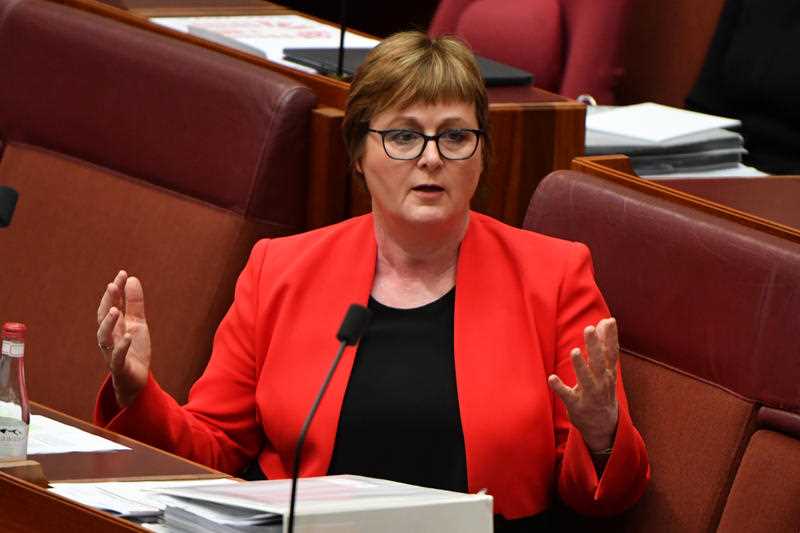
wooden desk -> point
(774, 198)
(768, 204)
(197, 8)
(142, 463)
(24, 507)
(535, 132)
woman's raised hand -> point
(592, 402)
(123, 336)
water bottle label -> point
(13, 348)
(13, 439)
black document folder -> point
(326, 61)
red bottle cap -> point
(14, 330)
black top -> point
(400, 418)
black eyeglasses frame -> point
(435, 138)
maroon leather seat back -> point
(696, 291)
(708, 313)
(133, 150)
(151, 107)
(572, 47)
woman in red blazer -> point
(471, 374)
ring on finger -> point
(104, 347)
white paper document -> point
(334, 504)
(49, 436)
(739, 171)
(270, 33)
(127, 498)
(352, 504)
(655, 122)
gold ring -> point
(104, 347)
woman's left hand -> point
(592, 402)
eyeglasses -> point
(452, 144)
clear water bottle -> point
(15, 414)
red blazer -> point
(522, 301)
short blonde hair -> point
(408, 68)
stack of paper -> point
(661, 139)
(266, 35)
(129, 499)
(335, 503)
(48, 436)
(211, 518)
(353, 504)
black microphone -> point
(353, 327)
(8, 201)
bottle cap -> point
(14, 330)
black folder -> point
(326, 61)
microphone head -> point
(8, 201)
(354, 324)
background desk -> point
(535, 132)
(28, 508)
(767, 204)
(775, 198)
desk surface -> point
(767, 204)
(181, 8)
(28, 508)
(184, 8)
(141, 462)
(774, 198)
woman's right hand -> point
(123, 336)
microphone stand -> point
(342, 31)
(302, 438)
(353, 327)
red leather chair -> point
(129, 148)
(571, 46)
(708, 313)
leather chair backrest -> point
(699, 292)
(164, 111)
(132, 150)
(708, 314)
(571, 47)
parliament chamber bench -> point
(535, 131)
(708, 302)
(131, 150)
(124, 157)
